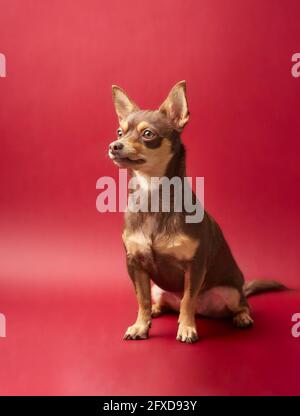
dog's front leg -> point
(187, 330)
(140, 329)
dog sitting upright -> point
(190, 263)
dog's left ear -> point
(123, 104)
(175, 107)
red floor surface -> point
(68, 303)
(63, 284)
(71, 343)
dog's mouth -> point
(125, 160)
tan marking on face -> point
(142, 126)
(156, 159)
(124, 126)
(180, 246)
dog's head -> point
(145, 139)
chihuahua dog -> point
(191, 265)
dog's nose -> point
(116, 146)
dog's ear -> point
(123, 104)
(175, 107)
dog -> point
(190, 264)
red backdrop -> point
(64, 287)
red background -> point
(64, 287)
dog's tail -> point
(258, 286)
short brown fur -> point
(179, 257)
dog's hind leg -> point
(223, 302)
(242, 317)
(163, 301)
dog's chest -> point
(147, 240)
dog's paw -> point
(156, 310)
(243, 320)
(187, 334)
(137, 331)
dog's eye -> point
(119, 132)
(148, 134)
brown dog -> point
(190, 263)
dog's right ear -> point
(123, 104)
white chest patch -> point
(139, 241)
(143, 181)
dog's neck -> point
(175, 167)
